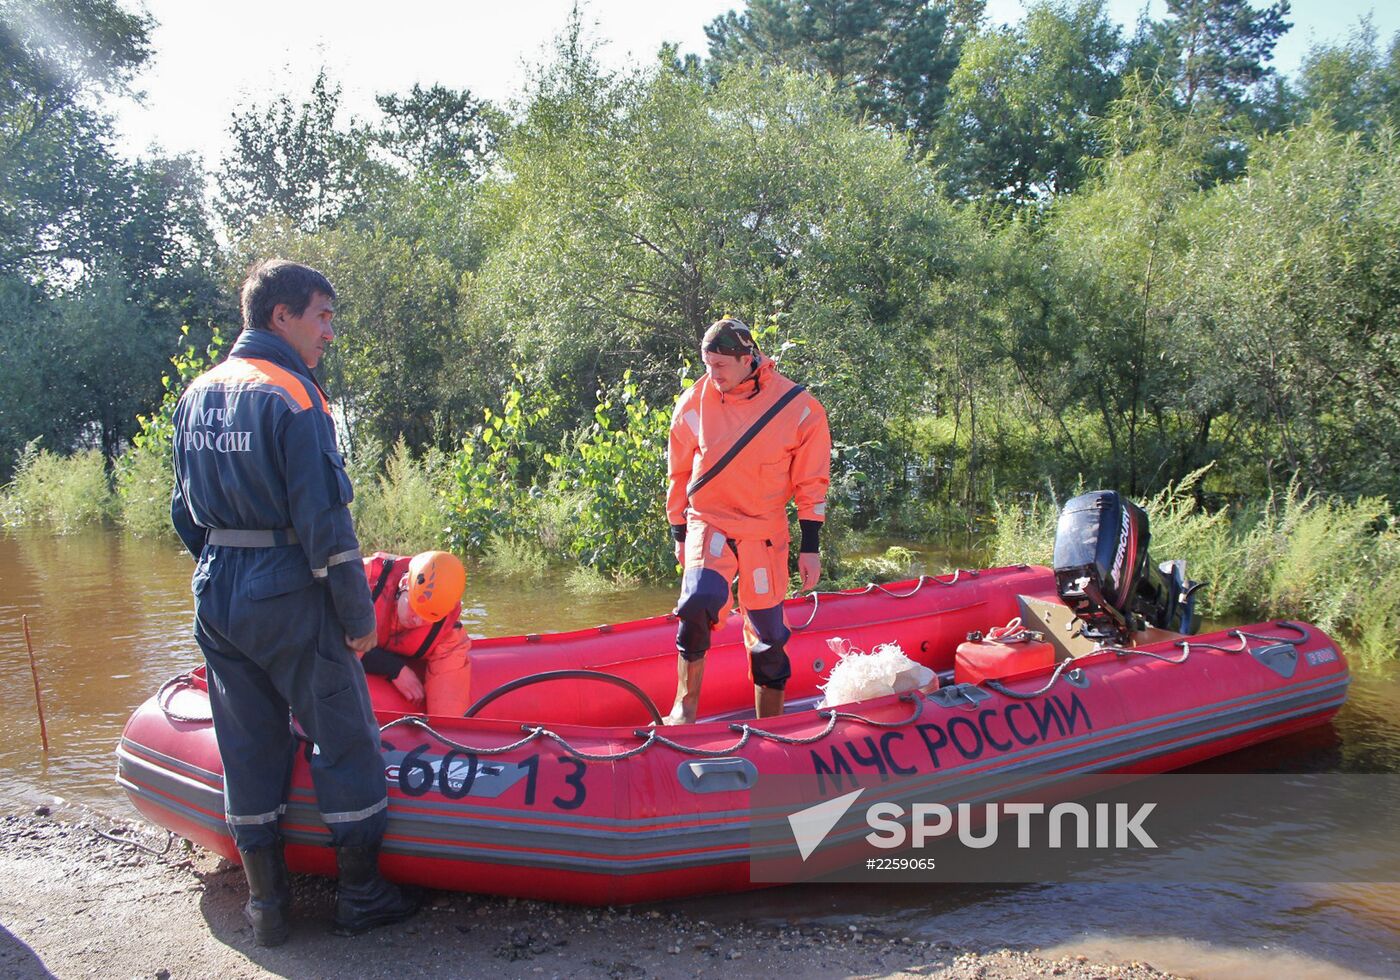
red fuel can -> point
(980, 660)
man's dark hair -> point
(274, 281)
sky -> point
(209, 59)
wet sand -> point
(84, 895)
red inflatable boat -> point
(562, 787)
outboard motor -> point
(1104, 575)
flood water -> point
(110, 621)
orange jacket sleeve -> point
(448, 680)
(811, 463)
(681, 446)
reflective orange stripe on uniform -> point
(247, 374)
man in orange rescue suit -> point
(281, 606)
(744, 441)
(418, 606)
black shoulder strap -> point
(384, 573)
(743, 440)
(428, 641)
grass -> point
(1332, 562)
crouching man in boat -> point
(418, 608)
(744, 441)
(281, 605)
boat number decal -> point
(453, 774)
(572, 779)
(965, 737)
(1322, 655)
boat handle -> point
(717, 775)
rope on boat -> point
(169, 839)
(1001, 688)
(1244, 636)
(671, 743)
(907, 697)
(596, 756)
(422, 722)
(652, 736)
(831, 717)
(1148, 653)
(875, 587)
(163, 698)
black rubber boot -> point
(269, 908)
(363, 899)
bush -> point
(589, 581)
(65, 493)
(403, 510)
(144, 475)
(598, 502)
(145, 479)
(515, 558)
(894, 564)
(492, 473)
(616, 467)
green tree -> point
(1222, 47)
(638, 209)
(1295, 284)
(1082, 333)
(100, 259)
(57, 57)
(895, 56)
(1021, 121)
(1353, 83)
(439, 131)
(391, 368)
(295, 161)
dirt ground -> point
(79, 897)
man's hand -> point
(680, 553)
(809, 567)
(362, 644)
(409, 686)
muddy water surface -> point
(110, 621)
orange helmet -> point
(435, 583)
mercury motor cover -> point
(1104, 575)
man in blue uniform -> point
(281, 604)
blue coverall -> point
(255, 449)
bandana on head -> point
(729, 336)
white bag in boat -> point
(859, 676)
